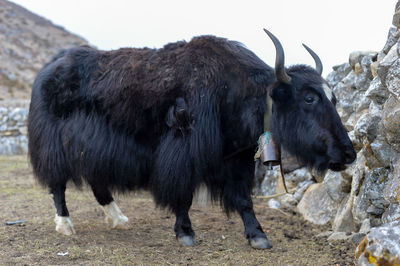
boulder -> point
(391, 122)
(387, 62)
(317, 206)
(370, 200)
(381, 246)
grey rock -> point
(376, 91)
(357, 56)
(357, 143)
(382, 152)
(270, 183)
(392, 189)
(297, 176)
(340, 71)
(365, 226)
(370, 197)
(338, 236)
(344, 221)
(363, 103)
(391, 122)
(337, 186)
(392, 213)
(375, 210)
(381, 245)
(367, 126)
(356, 238)
(288, 201)
(396, 19)
(358, 81)
(317, 206)
(274, 204)
(393, 36)
(325, 234)
(386, 63)
(392, 80)
(301, 189)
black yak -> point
(169, 120)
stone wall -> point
(13, 130)
(366, 197)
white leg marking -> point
(114, 217)
(328, 91)
(64, 225)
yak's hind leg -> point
(236, 197)
(114, 217)
(62, 220)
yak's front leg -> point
(237, 197)
(252, 228)
(114, 217)
(183, 226)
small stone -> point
(274, 204)
(325, 234)
(392, 213)
(358, 69)
(356, 238)
(338, 236)
(365, 226)
(374, 69)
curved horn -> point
(280, 72)
(318, 63)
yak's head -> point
(304, 118)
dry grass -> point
(151, 238)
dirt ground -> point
(151, 239)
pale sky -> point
(332, 28)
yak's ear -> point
(282, 93)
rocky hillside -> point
(27, 41)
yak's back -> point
(128, 81)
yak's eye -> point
(310, 99)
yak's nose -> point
(349, 155)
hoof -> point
(186, 241)
(119, 222)
(64, 225)
(260, 243)
(114, 217)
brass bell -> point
(270, 155)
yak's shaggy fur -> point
(169, 120)
(143, 118)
